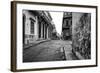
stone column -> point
(44, 31)
(47, 32)
(41, 30)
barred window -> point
(32, 25)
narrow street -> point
(54, 50)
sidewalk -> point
(35, 43)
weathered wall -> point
(81, 24)
(29, 37)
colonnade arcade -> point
(43, 29)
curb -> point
(36, 44)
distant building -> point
(37, 25)
(67, 26)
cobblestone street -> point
(54, 50)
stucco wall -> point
(28, 27)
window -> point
(67, 23)
(32, 26)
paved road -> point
(54, 50)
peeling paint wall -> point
(81, 29)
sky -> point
(57, 19)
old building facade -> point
(67, 26)
(37, 25)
